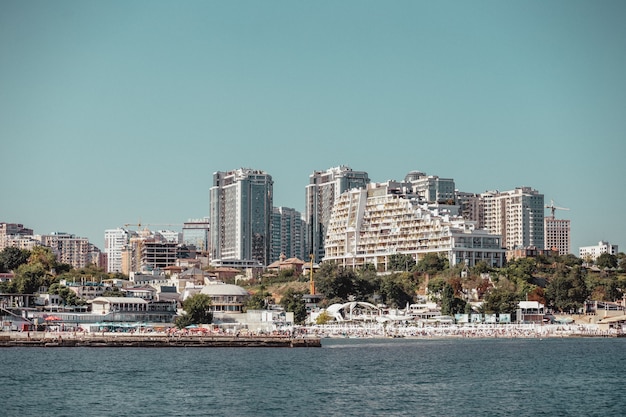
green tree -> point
(338, 285)
(567, 292)
(432, 263)
(396, 291)
(481, 267)
(521, 269)
(606, 260)
(323, 318)
(11, 258)
(450, 304)
(68, 297)
(400, 262)
(197, 311)
(44, 256)
(258, 301)
(435, 286)
(28, 278)
(501, 299)
(292, 301)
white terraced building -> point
(368, 226)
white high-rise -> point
(115, 241)
(516, 215)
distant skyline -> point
(120, 111)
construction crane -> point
(553, 208)
(138, 225)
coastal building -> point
(72, 250)
(87, 290)
(516, 215)
(557, 234)
(287, 233)
(196, 233)
(115, 242)
(471, 207)
(130, 309)
(226, 298)
(15, 235)
(285, 264)
(591, 253)
(241, 215)
(368, 226)
(431, 188)
(323, 189)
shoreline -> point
(307, 336)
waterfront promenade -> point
(304, 336)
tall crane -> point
(138, 225)
(553, 208)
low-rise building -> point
(591, 253)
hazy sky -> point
(115, 112)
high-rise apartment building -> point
(287, 237)
(323, 189)
(241, 215)
(72, 250)
(471, 207)
(557, 234)
(115, 242)
(431, 188)
(369, 226)
(516, 215)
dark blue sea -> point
(346, 377)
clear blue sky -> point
(115, 112)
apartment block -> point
(516, 215)
(240, 216)
(72, 250)
(557, 234)
(16, 235)
(287, 234)
(591, 253)
(323, 189)
(367, 226)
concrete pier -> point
(122, 340)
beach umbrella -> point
(52, 318)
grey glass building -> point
(240, 216)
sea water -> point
(346, 377)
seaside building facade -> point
(115, 241)
(323, 189)
(72, 250)
(431, 189)
(368, 226)
(557, 234)
(287, 233)
(516, 215)
(196, 233)
(591, 253)
(241, 216)
(16, 235)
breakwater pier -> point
(156, 341)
